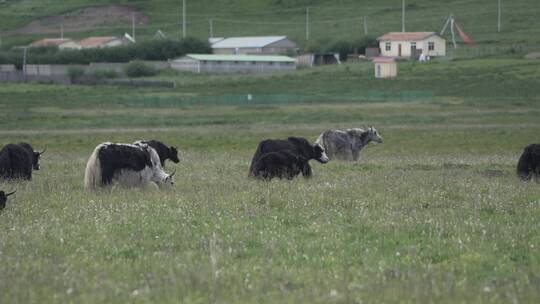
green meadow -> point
(435, 214)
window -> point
(431, 46)
(388, 46)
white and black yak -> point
(529, 163)
(298, 146)
(165, 152)
(3, 199)
(282, 164)
(18, 160)
(128, 165)
(346, 145)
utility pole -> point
(211, 28)
(183, 18)
(365, 26)
(403, 15)
(499, 25)
(25, 49)
(307, 23)
(133, 25)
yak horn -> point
(42, 151)
(8, 194)
(172, 174)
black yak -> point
(18, 160)
(129, 165)
(298, 146)
(529, 163)
(165, 152)
(282, 164)
(3, 199)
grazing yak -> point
(298, 146)
(3, 199)
(129, 165)
(346, 145)
(529, 163)
(165, 152)
(18, 160)
(282, 164)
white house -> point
(57, 42)
(412, 44)
(264, 45)
(103, 42)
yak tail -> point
(524, 165)
(92, 175)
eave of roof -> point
(247, 42)
(257, 58)
(406, 36)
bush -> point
(342, 46)
(106, 74)
(139, 69)
(146, 50)
(75, 73)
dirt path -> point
(84, 19)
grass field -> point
(328, 19)
(434, 214)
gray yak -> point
(346, 145)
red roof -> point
(383, 59)
(49, 42)
(406, 36)
(95, 41)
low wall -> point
(58, 73)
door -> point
(399, 50)
(378, 72)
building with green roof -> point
(210, 63)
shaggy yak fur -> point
(130, 165)
(529, 163)
(282, 164)
(298, 146)
(346, 145)
(165, 152)
(17, 161)
(3, 199)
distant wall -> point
(58, 73)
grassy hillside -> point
(328, 19)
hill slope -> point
(328, 19)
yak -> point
(298, 146)
(529, 163)
(129, 165)
(346, 145)
(18, 160)
(282, 164)
(165, 152)
(3, 198)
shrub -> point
(106, 74)
(342, 46)
(75, 72)
(139, 69)
(145, 50)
